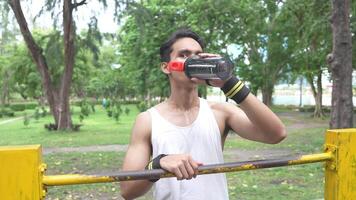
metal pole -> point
(71, 179)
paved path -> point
(96, 148)
(234, 154)
(10, 120)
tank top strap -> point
(153, 112)
(206, 110)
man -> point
(185, 131)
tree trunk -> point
(58, 99)
(301, 92)
(4, 72)
(5, 88)
(340, 61)
(267, 92)
(65, 120)
(317, 94)
(318, 112)
(268, 87)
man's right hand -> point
(182, 165)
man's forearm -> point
(263, 118)
(133, 189)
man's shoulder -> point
(142, 124)
(159, 105)
(143, 117)
(217, 105)
(224, 107)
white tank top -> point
(202, 140)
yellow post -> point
(21, 172)
(340, 173)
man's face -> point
(184, 48)
(181, 50)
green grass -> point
(283, 108)
(293, 182)
(301, 136)
(85, 163)
(307, 140)
(97, 129)
(303, 182)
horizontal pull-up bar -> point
(70, 179)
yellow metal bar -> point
(312, 158)
(207, 169)
(72, 179)
(21, 172)
(340, 172)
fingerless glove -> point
(155, 164)
(235, 89)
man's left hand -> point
(212, 82)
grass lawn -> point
(304, 140)
(97, 129)
(295, 182)
(304, 182)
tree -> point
(7, 37)
(340, 61)
(266, 45)
(273, 38)
(142, 34)
(57, 93)
(140, 38)
(26, 80)
(312, 44)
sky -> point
(81, 16)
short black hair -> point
(166, 47)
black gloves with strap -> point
(235, 89)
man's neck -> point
(183, 98)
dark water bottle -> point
(208, 68)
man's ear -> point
(164, 68)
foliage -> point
(127, 111)
(85, 109)
(270, 42)
(26, 119)
(260, 32)
(6, 112)
(8, 34)
(114, 110)
(22, 106)
(142, 106)
(36, 114)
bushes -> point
(6, 112)
(326, 109)
(9, 110)
(23, 106)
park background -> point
(279, 49)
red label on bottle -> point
(176, 66)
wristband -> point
(155, 164)
(235, 89)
